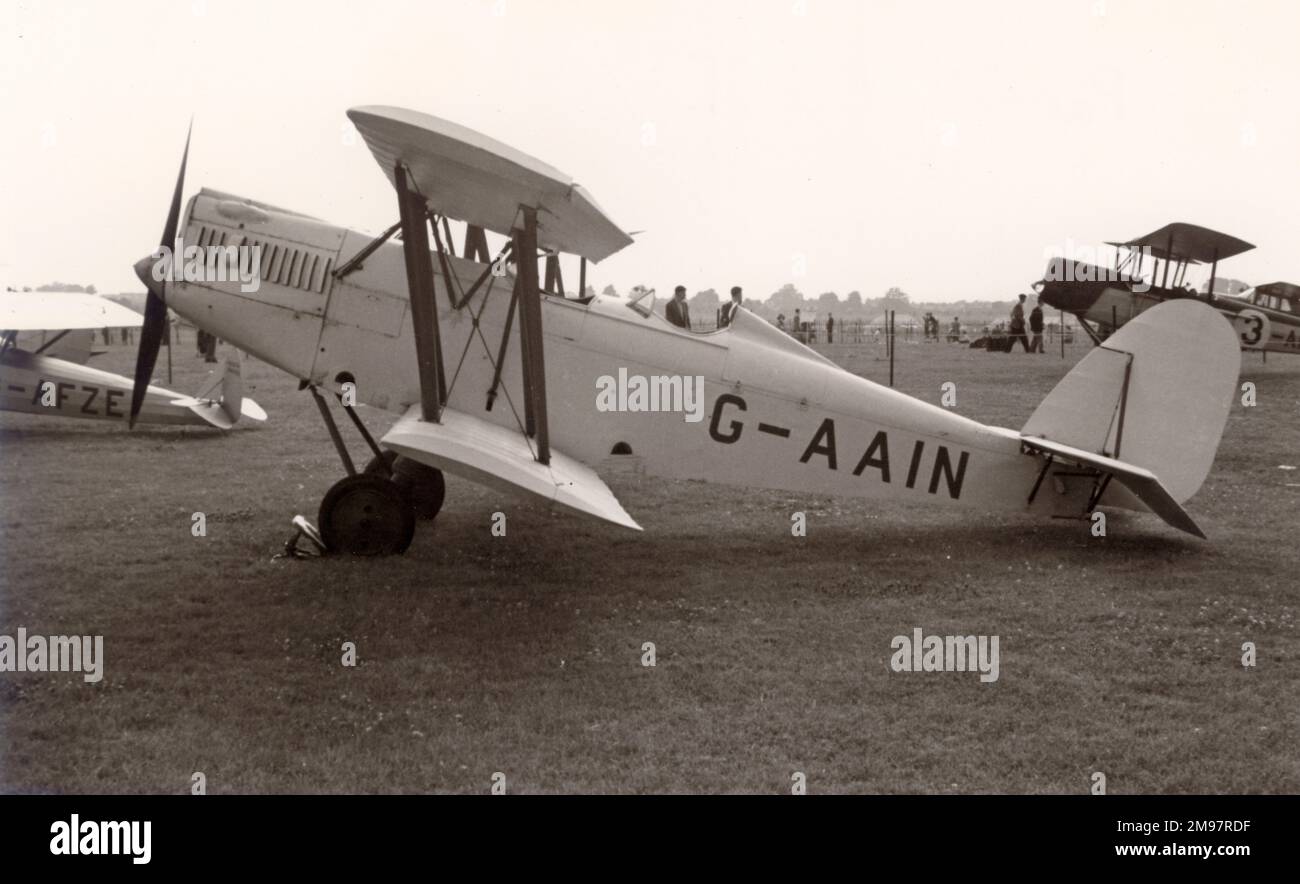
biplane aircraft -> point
(502, 377)
(1265, 318)
(37, 381)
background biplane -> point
(37, 381)
(1265, 318)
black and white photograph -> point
(896, 403)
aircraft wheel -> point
(424, 485)
(366, 515)
(381, 465)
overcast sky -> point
(941, 147)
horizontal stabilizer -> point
(1141, 482)
(216, 414)
(224, 412)
(498, 457)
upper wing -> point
(495, 456)
(1180, 241)
(479, 180)
(50, 311)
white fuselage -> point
(38, 384)
(776, 414)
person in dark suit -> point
(729, 309)
(677, 312)
(1018, 326)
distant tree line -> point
(787, 299)
(56, 287)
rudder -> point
(1155, 394)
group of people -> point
(678, 312)
(930, 324)
(1017, 327)
(805, 331)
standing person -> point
(780, 321)
(1036, 326)
(677, 311)
(830, 328)
(729, 309)
(1018, 326)
(798, 326)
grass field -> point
(523, 654)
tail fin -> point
(1148, 406)
(226, 411)
(232, 387)
(233, 402)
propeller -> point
(155, 307)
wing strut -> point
(554, 278)
(530, 334)
(424, 308)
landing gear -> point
(424, 485)
(366, 515)
(373, 513)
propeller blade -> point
(174, 214)
(155, 323)
(155, 308)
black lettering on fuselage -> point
(60, 392)
(736, 426)
(877, 455)
(816, 446)
(942, 463)
(916, 463)
(110, 399)
(85, 406)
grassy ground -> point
(523, 654)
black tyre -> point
(366, 515)
(424, 485)
(381, 465)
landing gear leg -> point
(367, 514)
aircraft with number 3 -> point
(503, 377)
(1266, 317)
